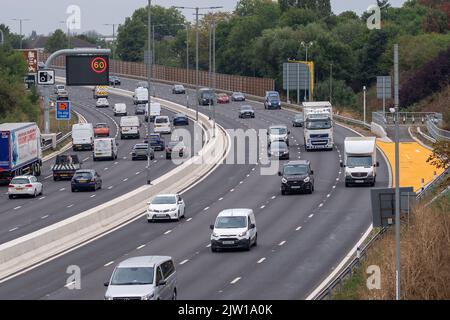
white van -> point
(155, 110)
(140, 95)
(82, 136)
(105, 148)
(234, 229)
(162, 124)
(120, 109)
(129, 127)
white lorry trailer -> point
(360, 161)
(318, 126)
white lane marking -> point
(124, 158)
(261, 260)
(263, 206)
(189, 219)
(334, 187)
(155, 161)
(138, 172)
(105, 169)
(62, 189)
(93, 196)
(86, 159)
(17, 208)
(70, 206)
(241, 182)
(298, 228)
(184, 261)
(125, 179)
(168, 231)
(209, 245)
(42, 197)
(337, 179)
(253, 169)
(328, 195)
(248, 176)
(206, 209)
(273, 197)
(44, 217)
(220, 199)
(311, 215)
(48, 177)
(140, 247)
(231, 190)
(70, 284)
(321, 205)
(110, 187)
(281, 243)
(235, 280)
(13, 229)
(116, 162)
(109, 263)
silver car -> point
(143, 278)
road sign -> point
(384, 90)
(31, 57)
(295, 75)
(383, 204)
(46, 77)
(87, 70)
(62, 110)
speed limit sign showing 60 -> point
(99, 65)
(87, 70)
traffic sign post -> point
(46, 77)
(384, 90)
(62, 110)
(298, 75)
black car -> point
(156, 142)
(237, 96)
(86, 179)
(142, 84)
(298, 120)
(279, 149)
(140, 151)
(180, 119)
(246, 112)
(178, 89)
(297, 176)
(272, 100)
(113, 80)
(174, 147)
(140, 109)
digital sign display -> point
(87, 70)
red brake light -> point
(11, 186)
(28, 186)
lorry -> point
(82, 136)
(100, 92)
(155, 110)
(20, 150)
(140, 95)
(65, 166)
(360, 160)
(129, 127)
(105, 148)
(318, 125)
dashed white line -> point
(140, 247)
(298, 228)
(231, 190)
(220, 199)
(116, 162)
(70, 206)
(42, 197)
(184, 261)
(235, 280)
(261, 260)
(328, 195)
(241, 182)
(13, 229)
(281, 243)
(337, 179)
(321, 205)
(248, 176)
(125, 179)
(44, 217)
(85, 159)
(105, 169)
(273, 197)
(206, 209)
(62, 189)
(168, 231)
(48, 177)
(334, 187)
(209, 245)
(109, 263)
(263, 206)
(311, 215)
(110, 187)
(124, 158)
(17, 208)
(138, 172)
(189, 219)
(93, 196)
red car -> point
(101, 130)
(223, 98)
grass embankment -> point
(425, 258)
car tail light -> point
(28, 186)
(11, 186)
(93, 180)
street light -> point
(149, 80)
(307, 46)
(364, 104)
(18, 19)
(3, 37)
(196, 46)
(114, 37)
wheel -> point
(256, 240)
(42, 191)
(34, 193)
(55, 178)
(213, 249)
(283, 192)
(174, 295)
(11, 196)
(168, 157)
(73, 189)
(249, 246)
(178, 215)
(347, 184)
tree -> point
(56, 41)
(297, 17)
(440, 158)
(322, 7)
(342, 95)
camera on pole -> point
(46, 77)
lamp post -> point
(114, 38)
(307, 46)
(196, 47)
(364, 104)
(2, 37)
(149, 79)
(21, 20)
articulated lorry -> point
(20, 150)
(360, 161)
(318, 125)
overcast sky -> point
(46, 15)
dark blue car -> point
(156, 142)
(180, 120)
(86, 179)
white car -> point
(102, 102)
(162, 125)
(24, 186)
(165, 206)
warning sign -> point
(31, 57)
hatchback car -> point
(298, 120)
(86, 179)
(175, 147)
(102, 103)
(237, 96)
(24, 186)
(178, 89)
(279, 149)
(140, 109)
(246, 112)
(166, 207)
(140, 152)
(223, 98)
(278, 133)
(180, 119)
(156, 142)
(234, 228)
(114, 80)
(101, 130)
(143, 278)
(297, 176)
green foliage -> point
(297, 17)
(342, 95)
(57, 41)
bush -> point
(342, 95)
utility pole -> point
(306, 46)
(331, 82)
(149, 79)
(2, 37)
(187, 63)
(114, 38)
(364, 104)
(397, 173)
(214, 75)
(209, 64)
(154, 46)
(20, 21)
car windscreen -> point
(278, 146)
(231, 222)
(141, 146)
(20, 181)
(81, 133)
(132, 276)
(365, 161)
(101, 125)
(318, 124)
(161, 120)
(164, 200)
(278, 131)
(83, 175)
(299, 169)
(299, 116)
(246, 108)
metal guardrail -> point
(351, 121)
(436, 132)
(61, 138)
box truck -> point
(318, 125)
(360, 160)
(155, 110)
(20, 150)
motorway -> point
(301, 238)
(24, 215)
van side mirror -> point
(106, 284)
(312, 171)
(162, 283)
(341, 164)
(211, 227)
(378, 164)
(252, 226)
(279, 173)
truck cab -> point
(318, 125)
(360, 161)
(65, 166)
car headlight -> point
(347, 174)
(215, 235)
(108, 298)
(370, 174)
(242, 234)
(148, 296)
(307, 179)
(283, 180)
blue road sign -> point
(62, 110)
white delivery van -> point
(140, 95)
(360, 160)
(82, 136)
(155, 110)
(120, 109)
(162, 124)
(129, 127)
(105, 148)
(318, 125)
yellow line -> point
(413, 163)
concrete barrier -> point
(378, 130)
(41, 245)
